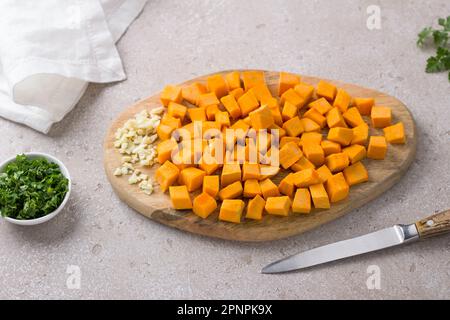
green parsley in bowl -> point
(34, 187)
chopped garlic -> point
(118, 172)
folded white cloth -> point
(51, 49)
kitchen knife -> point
(399, 234)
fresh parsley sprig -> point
(441, 61)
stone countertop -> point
(121, 254)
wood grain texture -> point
(435, 225)
(382, 175)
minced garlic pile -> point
(135, 142)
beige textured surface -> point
(122, 254)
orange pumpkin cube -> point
(211, 185)
(252, 78)
(302, 201)
(321, 105)
(192, 178)
(233, 80)
(250, 171)
(231, 210)
(278, 205)
(305, 178)
(230, 103)
(353, 117)
(289, 154)
(231, 172)
(252, 188)
(340, 135)
(223, 119)
(355, 174)
(302, 164)
(255, 208)
(197, 114)
(204, 205)
(287, 186)
(314, 153)
(179, 195)
(164, 150)
(330, 147)
(305, 91)
(211, 111)
(381, 116)
(176, 110)
(164, 131)
(337, 162)
(309, 125)
(248, 102)
(326, 90)
(360, 134)
(285, 140)
(192, 92)
(335, 119)
(276, 114)
(287, 81)
(342, 100)
(216, 83)
(171, 93)
(261, 92)
(377, 148)
(293, 127)
(292, 96)
(289, 111)
(171, 121)
(337, 188)
(355, 152)
(237, 93)
(313, 137)
(324, 173)
(166, 175)
(261, 118)
(319, 196)
(207, 99)
(268, 171)
(269, 189)
(231, 191)
(364, 105)
(316, 116)
(395, 133)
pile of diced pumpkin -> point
(323, 138)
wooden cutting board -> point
(382, 175)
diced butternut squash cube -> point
(211, 185)
(289, 111)
(324, 173)
(248, 102)
(355, 152)
(164, 150)
(192, 178)
(278, 205)
(314, 153)
(233, 80)
(281, 131)
(207, 99)
(171, 93)
(231, 172)
(276, 114)
(287, 186)
(166, 175)
(261, 118)
(326, 90)
(230, 103)
(204, 205)
(255, 208)
(342, 100)
(310, 125)
(337, 188)
(292, 97)
(302, 164)
(268, 171)
(287, 81)
(381, 116)
(179, 195)
(208, 163)
(313, 137)
(252, 188)
(171, 121)
(319, 196)
(330, 147)
(305, 91)
(364, 105)
(335, 119)
(337, 162)
(237, 93)
(355, 174)
(353, 117)
(176, 110)
(192, 92)
(360, 134)
(223, 119)
(231, 191)
(340, 135)
(395, 133)
(377, 148)
(316, 116)
(302, 201)
(269, 189)
(261, 92)
(252, 78)
(250, 171)
(289, 154)
(231, 210)
(164, 131)
(197, 114)
(211, 112)
(216, 83)
(293, 127)
(285, 140)
(305, 178)
(321, 105)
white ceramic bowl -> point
(51, 215)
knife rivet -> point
(430, 223)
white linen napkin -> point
(51, 49)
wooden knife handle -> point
(434, 225)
